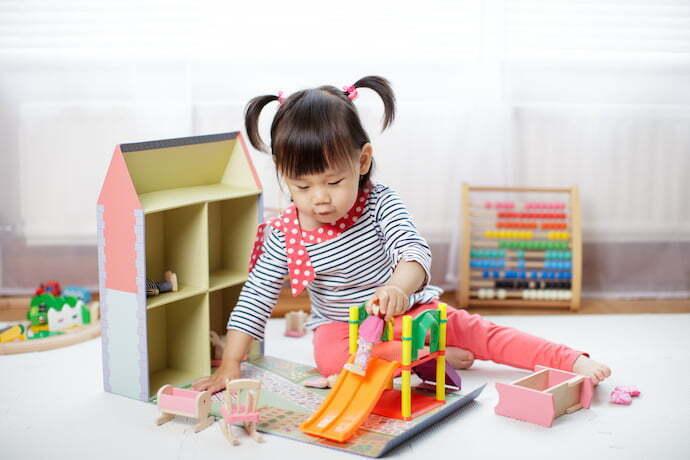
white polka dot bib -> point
(300, 269)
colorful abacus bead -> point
(487, 253)
(499, 205)
(543, 205)
(546, 294)
(557, 265)
(508, 224)
(553, 225)
(558, 235)
(478, 263)
(485, 293)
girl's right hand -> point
(229, 370)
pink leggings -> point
(486, 340)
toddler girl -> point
(348, 241)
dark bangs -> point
(315, 130)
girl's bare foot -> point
(459, 358)
(590, 368)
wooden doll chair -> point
(241, 399)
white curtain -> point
(593, 93)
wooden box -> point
(544, 395)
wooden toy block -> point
(544, 395)
(294, 323)
(187, 403)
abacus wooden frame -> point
(463, 294)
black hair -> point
(317, 128)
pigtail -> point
(383, 88)
(251, 120)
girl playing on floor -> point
(348, 240)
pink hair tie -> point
(351, 92)
(281, 99)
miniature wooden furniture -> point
(294, 323)
(190, 204)
(187, 403)
(544, 395)
(240, 405)
(520, 247)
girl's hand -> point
(388, 301)
(229, 370)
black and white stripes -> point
(348, 268)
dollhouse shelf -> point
(168, 199)
(225, 278)
(190, 205)
(169, 297)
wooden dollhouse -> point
(190, 205)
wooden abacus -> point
(520, 252)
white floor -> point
(53, 405)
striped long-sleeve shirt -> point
(348, 268)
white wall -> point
(493, 92)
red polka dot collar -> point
(299, 264)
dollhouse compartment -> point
(177, 342)
(176, 240)
(221, 303)
(231, 231)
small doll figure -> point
(369, 335)
(154, 288)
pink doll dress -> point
(369, 334)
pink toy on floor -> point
(619, 397)
(544, 395)
(188, 403)
(240, 405)
(294, 323)
(630, 389)
(623, 394)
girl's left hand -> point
(388, 301)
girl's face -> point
(326, 197)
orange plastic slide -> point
(350, 401)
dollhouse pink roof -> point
(121, 202)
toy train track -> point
(69, 337)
